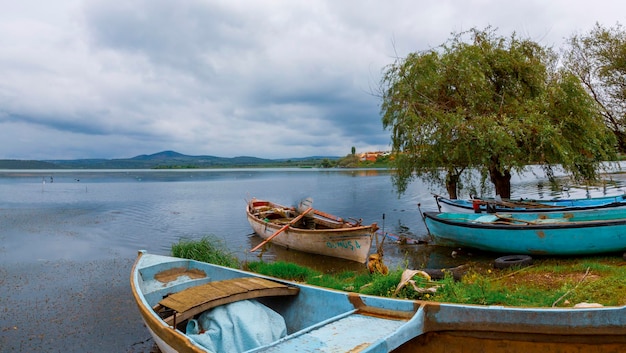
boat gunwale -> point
(353, 226)
(371, 228)
(548, 209)
(469, 223)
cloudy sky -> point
(264, 78)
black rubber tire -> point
(513, 260)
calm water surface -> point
(81, 215)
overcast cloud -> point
(270, 79)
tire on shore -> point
(513, 261)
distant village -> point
(372, 156)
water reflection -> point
(326, 264)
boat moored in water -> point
(555, 233)
(477, 205)
(316, 232)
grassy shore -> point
(548, 282)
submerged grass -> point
(558, 282)
(284, 270)
(208, 249)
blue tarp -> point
(237, 327)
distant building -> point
(372, 156)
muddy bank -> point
(70, 306)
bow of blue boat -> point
(528, 205)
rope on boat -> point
(375, 262)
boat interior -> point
(284, 215)
(181, 292)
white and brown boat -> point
(310, 230)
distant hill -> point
(19, 164)
(164, 160)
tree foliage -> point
(598, 59)
(491, 104)
(349, 161)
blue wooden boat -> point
(173, 295)
(476, 205)
(555, 233)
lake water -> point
(69, 236)
(80, 215)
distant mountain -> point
(170, 156)
(160, 155)
(164, 160)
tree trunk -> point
(501, 180)
(621, 140)
(452, 180)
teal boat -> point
(477, 205)
(191, 306)
(555, 233)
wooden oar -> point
(511, 219)
(517, 204)
(282, 229)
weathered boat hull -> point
(350, 242)
(471, 342)
(530, 206)
(317, 319)
(325, 320)
(570, 233)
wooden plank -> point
(192, 301)
(363, 309)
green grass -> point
(548, 282)
(284, 270)
(208, 249)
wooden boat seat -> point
(195, 300)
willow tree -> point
(491, 104)
(598, 59)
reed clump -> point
(207, 249)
